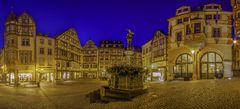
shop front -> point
(25, 77)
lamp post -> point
(235, 53)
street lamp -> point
(194, 71)
(193, 51)
(235, 41)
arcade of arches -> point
(211, 66)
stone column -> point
(228, 69)
(16, 78)
(194, 73)
(170, 72)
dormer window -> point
(186, 19)
(179, 21)
(208, 7)
(183, 10)
(216, 17)
(212, 7)
(186, 9)
(208, 17)
(216, 7)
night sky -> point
(100, 19)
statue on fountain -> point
(129, 39)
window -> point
(12, 40)
(25, 29)
(155, 44)
(188, 29)
(211, 64)
(186, 9)
(239, 15)
(197, 27)
(216, 17)
(208, 17)
(179, 36)
(179, 21)
(209, 7)
(183, 67)
(216, 7)
(49, 51)
(25, 42)
(41, 41)
(49, 42)
(179, 11)
(216, 32)
(41, 50)
(11, 28)
(186, 19)
(25, 57)
(68, 64)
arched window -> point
(211, 65)
(183, 67)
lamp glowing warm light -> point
(193, 51)
(235, 41)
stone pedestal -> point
(129, 56)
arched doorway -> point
(184, 66)
(211, 65)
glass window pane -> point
(211, 57)
(204, 71)
(190, 68)
(211, 68)
(218, 58)
(184, 58)
(219, 67)
(184, 68)
(204, 59)
(179, 60)
(204, 68)
(178, 69)
(189, 59)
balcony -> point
(194, 40)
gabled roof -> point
(90, 44)
(159, 34)
(69, 32)
(11, 17)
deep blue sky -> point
(100, 19)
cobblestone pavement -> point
(202, 94)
